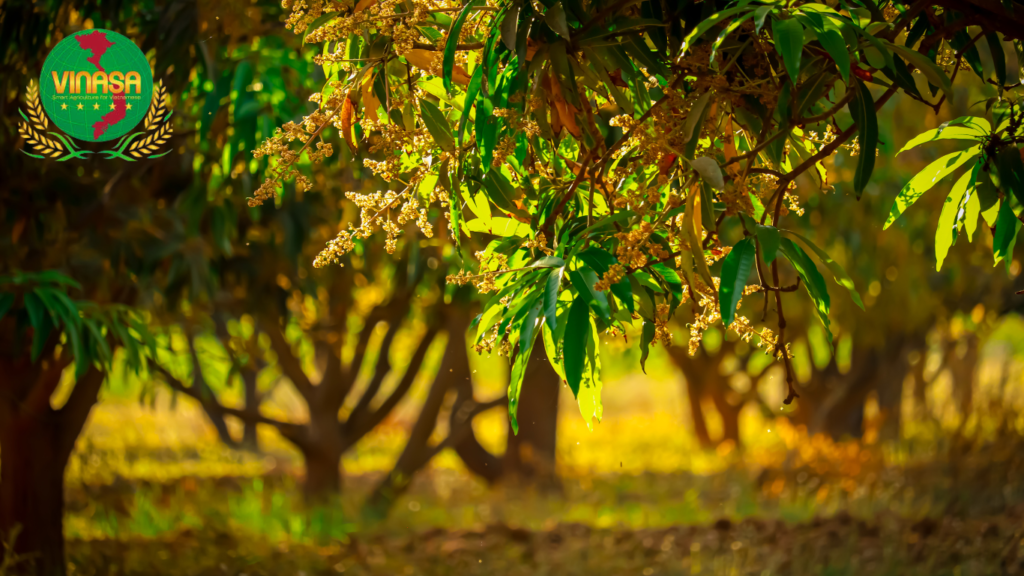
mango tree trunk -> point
(35, 443)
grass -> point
(150, 490)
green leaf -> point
(555, 19)
(57, 277)
(759, 15)
(36, 310)
(931, 71)
(584, 279)
(813, 282)
(863, 109)
(769, 238)
(709, 171)
(1005, 237)
(501, 192)
(963, 128)
(601, 67)
(735, 270)
(515, 381)
(726, 32)
(600, 260)
(646, 337)
(972, 206)
(500, 226)
(574, 346)
(671, 279)
(1011, 172)
(548, 262)
(437, 125)
(41, 323)
(103, 349)
(552, 341)
(707, 24)
(694, 118)
(945, 232)
(472, 90)
(589, 396)
(707, 208)
(448, 64)
(789, 42)
(509, 24)
(551, 289)
(832, 41)
(838, 273)
(925, 179)
(995, 48)
(6, 300)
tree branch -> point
(37, 402)
(381, 370)
(76, 410)
(359, 425)
(288, 430)
(290, 364)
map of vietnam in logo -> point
(96, 85)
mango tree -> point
(635, 156)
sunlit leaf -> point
(945, 232)
(925, 179)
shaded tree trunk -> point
(703, 380)
(32, 493)
(730, 414)
(530, 455)
(832, 403)
(694, 394)
(534, 448)
(322, 447)
(454, 372)
(36, 442)
(252, 410)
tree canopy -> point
(630, 158)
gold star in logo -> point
(96, 106)
(63, 106)
(129, 106)
(111, 105)
(80, 107)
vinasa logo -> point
(96, 86)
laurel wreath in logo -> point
(157, 130)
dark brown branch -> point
(76, 410)
(287, 429)
(780, 345)
(335, 383)
(290, 364)
(457, 435)
(391, 312)
(363, 424)
(584, 167)
(205, 396)
(825, 152)
(791, 288)
(381, 370)
(756, 149)
(850, 93)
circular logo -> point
(96, 85)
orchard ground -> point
(152, 491)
